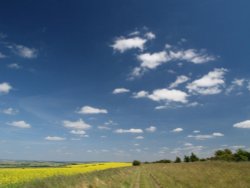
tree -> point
(136, 163)
(177, 160)
(186, 159)
(225, 155)
(193, 157)
(241, 155)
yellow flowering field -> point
(10, 176)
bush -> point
(193, 157)
(186, 159)
(163, 161)
(177, 160)
(136, 163)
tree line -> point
(219, 155)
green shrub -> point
(136, 163)
(177, 160)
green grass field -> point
(173, 175)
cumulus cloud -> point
(14, 66)
(196, 131)
(153, 60)
(20, 124)
(150, 35)
(236, 83)
(243, 124)
(209, 84)
(165, 95)
(177, 130)
(3, 36)
(24, 51)
(151, 129)
(92, 110)
(206, 136)
(187, 144)
(78, 132)
(2, 56)
(54, 138)
(140, 94)
(123, 44)
(132, 130)
(179, 80)
(76, 125)
(10, 111)
(187, 149)
(120, 90)
(218, 134)
(139, 137)
(101, 127)
(5, 88)
(134, 33)
(175, 106)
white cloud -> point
(54, 138)
(3, 36)
(24, 51)
(14, 66)
(20, 124)
(151, 129)
(218, 134)
(139, 137)
(187, 149)
(243, 124)
(150, 35)
(134, 33)
(177, 130)
(206, 136)
(238, 147)
(175, 106)
(236, 83)
(10, 111)
(180, 79)
(132, 130)
(196, 131)
(164, 95)
(191, 55)
(151, 61)
(120, 90)
(122, 44)
(78, 132)
(110, 122)
(104, 127)
(5, 87)
(248, 86)
(91, 110)
(209, 84)
(77, 125)
(140, 94)
(187, 144)
(2, 55)
(169, 95)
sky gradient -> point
(123, 80)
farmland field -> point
(174, 175)
(15, 177)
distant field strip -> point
(174, 175)
(9, 177)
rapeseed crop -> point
(12, 176)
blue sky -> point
(123, 80)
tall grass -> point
(174, 175)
